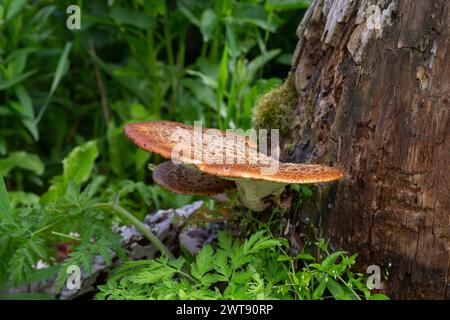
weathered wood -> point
(373, 79)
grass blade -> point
(5, 208)
(61, 68)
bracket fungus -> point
(210, 161)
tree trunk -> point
(373, 84)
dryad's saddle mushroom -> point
(207, 160)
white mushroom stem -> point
(252, 193)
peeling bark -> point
(373, 78)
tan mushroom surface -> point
(162, 137)
(255, 186)
(179, 179)
(285, 173)
(257, 176)
(154, 136)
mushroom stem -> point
(138, 225)
(252, 193)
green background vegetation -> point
(64, 99)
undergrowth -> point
(66, 166)
(257, 268)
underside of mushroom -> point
(185, 180)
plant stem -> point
(65, 236)
(350, 288)
(101, 87)
(138, 225)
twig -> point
(101, 88)
(138, 225)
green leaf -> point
(231, 40)
(221, 264)
(5, 208)
(77, 168)
(203, 262)
(306, 190)
(61, 69)
(209, 279)
(258, 242)
(305, 256)
(154, 275)
(15, 6)
(188, 14)
(331, 259)
(242, 277)
(318, 293)
(207, 80)
(35, 276)
(379, 296)
(22, 198)
(336, 289)
(133, 18)
(282, 5)
(207, 24)
(3, 148)
(15, 80)
(259, 62)
(221, 85)
(27, 111)
(115, 148)
(37, 246)
(18, 62)
(225, 242)
(79, 163)
(22, 160)
(283, 257)
(249, 14)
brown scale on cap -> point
(179, 179)
(163, 136)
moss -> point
(271, 109)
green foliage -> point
(183, 60)
(257, 268)
(77, 168)
(5, 208)
(22, 160)
(62, 150)
(32, 228)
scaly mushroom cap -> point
(160, 137)
(179, 179)
(285, 173)
(156, 136)
(256, 175)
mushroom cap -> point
(179, 179)
(156, 136)
(246, 161)
(286, 172)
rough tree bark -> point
(373, 78)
